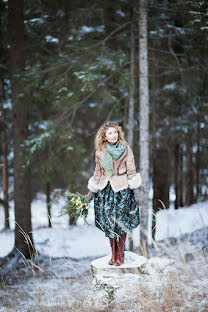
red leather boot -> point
(120, 250)
(113, 249)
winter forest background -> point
(68, 66)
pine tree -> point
(22, 199)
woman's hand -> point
(90, 195)
(137, 195)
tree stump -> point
(136, 282)
(109, 280)
(132, 264)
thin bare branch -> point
(115, 31)
(173, 52)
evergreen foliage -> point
(77, 75)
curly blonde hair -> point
(100, 135)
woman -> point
(115, 188)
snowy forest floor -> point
(58, 283)
(59, 278)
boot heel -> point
(120, 250)
(114, 250)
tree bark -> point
(22, 196)
(48, 199)
(124, 123)
(161, 180)
(4, 146)
(4, 165)
(154, 140)
(189, 173)
(131, 97)
(72, 219)
(132, 85)
(181, 183)
(144, 124)
(198, 158)
(178, 175)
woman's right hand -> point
(90, 195)
(137, 195)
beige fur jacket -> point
(124, 174)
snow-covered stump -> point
(132, 264)
(109, 280)
(130, 285)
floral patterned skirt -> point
(115, 212)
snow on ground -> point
(65, 273)
(176, 222)
(85, 240)
(43, 294)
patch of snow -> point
(131, 260)
(170, 86)
(51, 39)
(6, 242)
(75, 242)
(159, 32)
(174, 223)
(121, 13)
(86, 29)
(35, 20)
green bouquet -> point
(77, 204)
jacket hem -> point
(92, 186)
(119, 189)
(135, 182)
(103, 186)
(115, 189)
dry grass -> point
(181, 293)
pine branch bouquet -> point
(76, 204)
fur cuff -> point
(92, 186)
(135, 182)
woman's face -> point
(111, 135)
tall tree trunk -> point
(3, 131)
(161, 179)
(154, 141)
(132, 85)
(198, 158)
(109, 20)
(131, 97)
(181, 184)
(144, 123)
(22, 196)
(48, 200)
(189, 173)
(178, 175)
(4, 164)
(72, 219)
(124, 122)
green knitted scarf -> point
(111, 152)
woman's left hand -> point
(90, 195)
